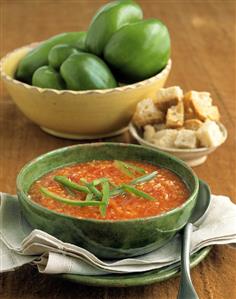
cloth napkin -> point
(20, 244)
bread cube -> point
(165, 138)
(186, 139)
(188, 107)
(159, 127)
(149, 133)
(209, 134)
(167, 97)
(213, 113)
(192, 124)
(200, 104)
(175, 116)
(147, 113)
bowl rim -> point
(8, 78)
(28, 199)
(133, 131)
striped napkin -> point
(20, 244)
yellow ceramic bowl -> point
(77, 114)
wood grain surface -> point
(203, 53)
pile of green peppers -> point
(119, 46)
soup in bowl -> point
(116, 200)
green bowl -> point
(109, 239)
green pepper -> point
(47, 77)
(137, 192)
(68, 201)
(83, 71)
(58, 54)
(39, 56)
(108, 20)
(139, 50)
(63, 180)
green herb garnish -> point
(68, 183)
(103, 180)
(68, 201)
(123, 169)
(68, 190)
(92, 188)
(140, 180)
(137, 192)
(89, 197)
(134, 167)
(99, 181)
(128, 169)
(101, 198)
(105, 198)
(144, 178)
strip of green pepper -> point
(68, 183)
(92, 188)
(137, 192)
(105, 198)
(68, 201)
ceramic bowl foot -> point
(82, 136)
(196, 162)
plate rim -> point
(135, 279)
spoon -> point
(186, 288)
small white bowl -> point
(193, 157)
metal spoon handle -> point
(186, 289)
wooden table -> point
(203, 53)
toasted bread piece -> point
(159, 127)
(149, 133)
(147, 113)
(165, 138)
(175, 116)
(192, 124)
(167, 97)
(213, 113)
(188, 107)
(186, 139)
(209, 134)
(189, 113)
(200, 105)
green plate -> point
(149, 277)
(136, 279)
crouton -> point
(189, 113)
(186, 139)
(147, 113)
(188, 107)
(159, 127)
(213, 113)
(209, 134)
(200, 104)
(192, 124)
(167, 97)
(175, 116)
(149, 133)
(165, 138)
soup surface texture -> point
(167, 190)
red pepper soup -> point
(110, 190)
